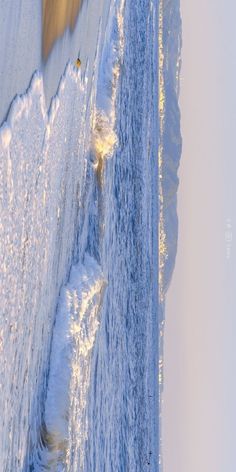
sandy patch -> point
(57, 16)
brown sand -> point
(57, 16)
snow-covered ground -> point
(78, 255)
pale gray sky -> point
(199, 415)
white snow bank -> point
(77, 321)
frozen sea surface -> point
(79, 265)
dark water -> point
(123, 406)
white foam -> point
(104, 138)
(74, 334)
(43, 169)
(5, 136)
(42, 173)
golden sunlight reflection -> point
(161, 110)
